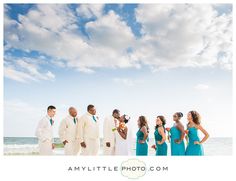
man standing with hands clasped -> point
(44, 132)
(88, 132)
(68, 131)
(110, 123)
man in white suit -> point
(44, 132)
(68, 131)
(110, 123)
(88, 132)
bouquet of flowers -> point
(168, 131)
(121, 126)
(154, 147)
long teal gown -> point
(176, 149)
(161, 149)
(193, 149)
(141, 148)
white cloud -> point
(53, 17)
(90, 10)
(50, 75)
(183, 35)
(110, 38)
(173, 36)
(201, 87)
(67, 45)
(25, 69)
(55, 37)
(13, 74)
(110, 31)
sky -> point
(144, 59)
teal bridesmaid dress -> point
(176, 149)
(193, 149)
(160, 149)
(141, 148)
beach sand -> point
(213, 146)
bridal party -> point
(80, 135)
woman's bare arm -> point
(123, 133)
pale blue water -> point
(23, 140)
(29, 145)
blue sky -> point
(143, 59)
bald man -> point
(67, 133)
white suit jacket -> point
(68, 129)
(87, 127)
(44, 130)
(108, 134)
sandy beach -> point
(217, 146)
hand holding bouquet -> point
(168, 131)
(121, 126)
(154, 147)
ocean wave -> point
(25, 149)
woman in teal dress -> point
(177, 135)
(194, 143)
(142, 137)
(160, 136)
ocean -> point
(215, 146)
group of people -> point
(80, 135)
(175, 135)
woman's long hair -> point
(163, 120)
(143, 122)
(196, 117)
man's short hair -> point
(90, 106)
(51, 107)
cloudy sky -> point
(143, 59)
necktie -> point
(74, 120)
(51, 121)
(94, 119)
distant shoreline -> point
(100, 137)
(215, 146)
